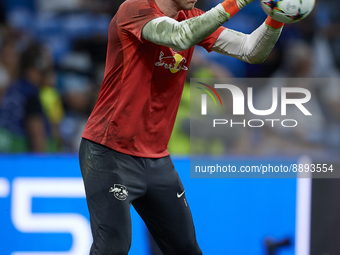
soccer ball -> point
(288, 11)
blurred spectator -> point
(52, 106)
(330, 24)
(9, 60)
(4, 81)
(58, 6)
(23, 125)
(103, 6)
(311, 133)
(297, 62)
(77, 93)
(99, 6)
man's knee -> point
(108, 244)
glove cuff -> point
(273, 23)
(231, 8)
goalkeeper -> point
(123, 154)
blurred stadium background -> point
(42, 205)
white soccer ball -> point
(288, 11)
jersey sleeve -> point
(133, 15)
(208, 42)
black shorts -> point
(113, 181)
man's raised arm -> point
(185, 34)
(253, 48)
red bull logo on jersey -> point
(174, 63)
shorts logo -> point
(179, 195)
(174, 62)
(119, 191)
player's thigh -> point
(166, 212)
(108, 173)
(108, 196)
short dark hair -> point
(31, 57)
